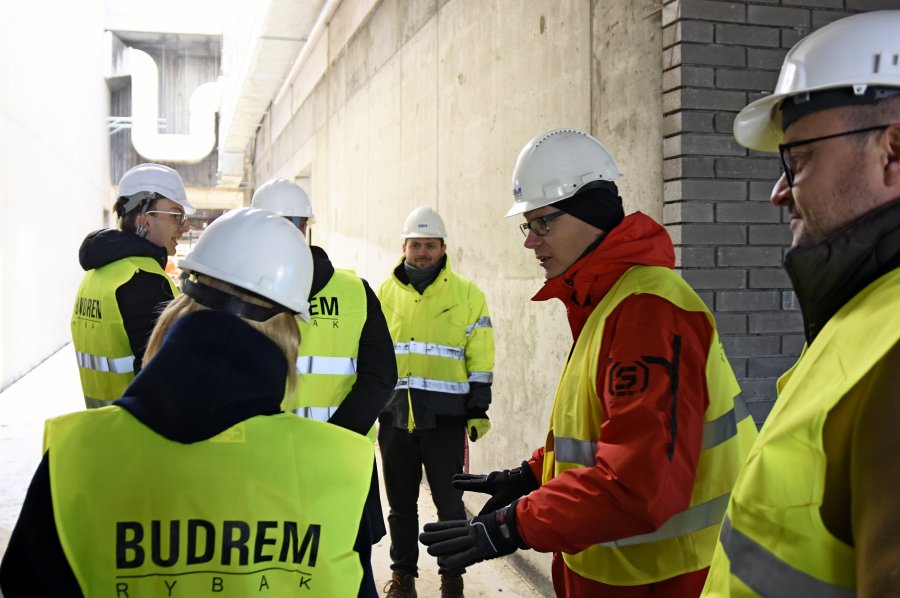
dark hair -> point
(128, 220)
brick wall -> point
(717, 57)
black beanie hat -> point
(597, 203)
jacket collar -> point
(637, 240)
(402, 278)
(828, 274)
(212, 371)
(108, 245)
(323, 270)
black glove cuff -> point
(507, 529)
(529, 482)
(476, 414)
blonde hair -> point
(281, 329)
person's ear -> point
(891, 155)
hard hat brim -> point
(758, 126)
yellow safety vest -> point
(686, 541)
(329, 347)
(773, 541)
(105, 359)
(442, 338)
(239, 514)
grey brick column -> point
(730, 241)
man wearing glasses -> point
(125, 285)
(647, 432)
(814, 512)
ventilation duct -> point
(145, 136)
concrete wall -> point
(427, 102)
(414, 102)
(54, 181)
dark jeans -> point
(403, 455)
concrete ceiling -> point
(265, 62)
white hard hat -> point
(147, 181)
(555, 165)
(257, 251)
(285, 198)
(855, 52)
(424, 223)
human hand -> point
(460, 543)
(503, 486)
(478, 428)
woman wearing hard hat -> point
(125, 286)
(194, 482)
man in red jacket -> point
(647, 432)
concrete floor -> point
(53, 388)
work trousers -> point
(403, 455)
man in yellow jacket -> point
(444, 346)
(814, 511)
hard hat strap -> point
(222, 301)
(142, 198)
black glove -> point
(458, 544)
(503, 486)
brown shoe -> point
(401, 585)
(451, 586)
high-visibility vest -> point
(105, 359)
(329, 347)
(235, 515)
(442, 338)
(686, 541)
(773, 540)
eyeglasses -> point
(784, 149)
(539, 225)
(179, 217)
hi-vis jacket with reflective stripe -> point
(443, 340)
(773, 540)
(105, 359)
(235, 516)
(686, 541)
(329, 347)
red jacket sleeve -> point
(652, 386)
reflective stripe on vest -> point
(443, 338)
(715, 432)
(320, 414)
(456, 388)
(102, 348)
(775, 513)
(117, 365)
(484, 377)
(230, 510)
(684, 543)
(692, 520)
(335, 366)
(329, 344)
(431, 349)
(483, 322)
(766, 574)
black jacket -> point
(212, 372)
(376, 376)
(142, 298)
